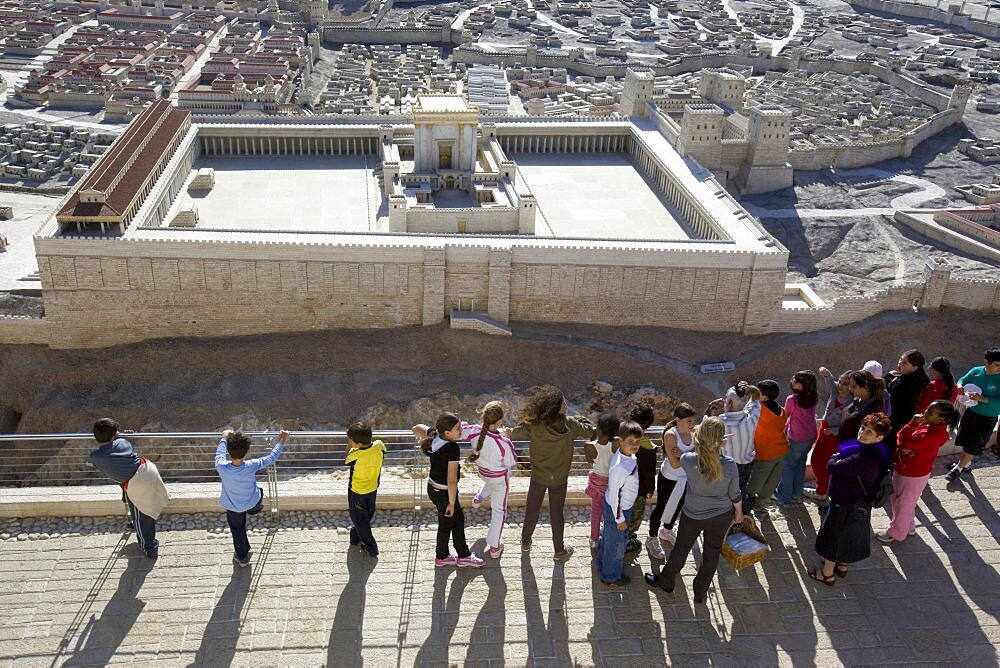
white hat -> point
(873, 367)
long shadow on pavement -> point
(346, 634)
(445, 613)
(102, 636)
(548, 640)
(487, 643)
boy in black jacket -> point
(642, 413)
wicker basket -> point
(745, 547)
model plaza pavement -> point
(286, 193)
(579, 196)
(84, 599)
(599, 196)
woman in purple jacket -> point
(844, 536)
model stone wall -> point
(165, 289)
(932, 13)
(467, 285)
(703, 299)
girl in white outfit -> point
(494, 454)
(678, 438)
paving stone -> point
(84, 600)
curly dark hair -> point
(544, 405)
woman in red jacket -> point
(918, 444)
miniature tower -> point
(637, 94)
(937, 273)
(959, 99)
(723, 87)
(766, 166)
(701, 134)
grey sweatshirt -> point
(117, 460)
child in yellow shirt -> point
(365, 457)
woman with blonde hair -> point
(712, 503)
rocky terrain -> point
(325, 380)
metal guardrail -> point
(189, 459)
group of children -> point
(769, 442)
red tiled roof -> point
(114, 176)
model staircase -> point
(478, 322)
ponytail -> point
(425, 443)
(878, 394)
(491, 414)
(445, 422)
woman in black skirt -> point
(844, 537)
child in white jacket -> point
(495, 456)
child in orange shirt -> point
(770, 445)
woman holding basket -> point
(712, 504)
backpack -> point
(880, 492)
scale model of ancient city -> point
(749, 166)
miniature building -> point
(408, 223)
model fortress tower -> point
(766, 167)
(638, 92)
(747, 150)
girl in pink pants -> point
(599, 455)
(917, 445)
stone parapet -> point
(105, 500)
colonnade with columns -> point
(691, 213)
(564, 143)
(291, 145)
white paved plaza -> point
(289, 193)
(596, 196)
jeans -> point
(611, 551)
(361, 508)
(533, 508)
(794, 474)
(452, 528)
(238, 527)
(714, 530)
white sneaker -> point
(594, 543)
(884, 537)
(471, 561)
(655, 549)
(810, 493)
(667, 535)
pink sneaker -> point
(471, 561)
(477, 501)
(495, 552)
(450, 560)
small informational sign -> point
(718, 367)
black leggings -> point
(452, 528)
(664, 487)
